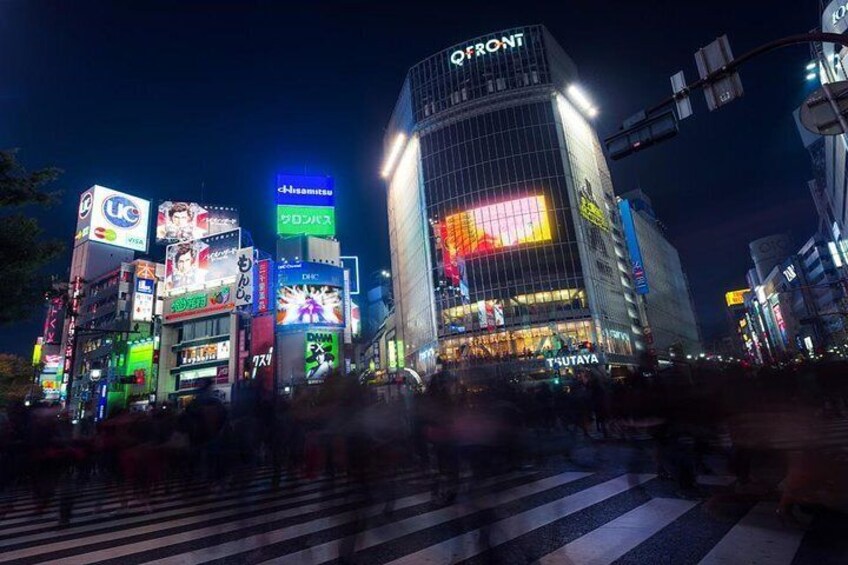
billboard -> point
(206, 353)
(244, 280)
(143, 292)
(305, 190)
(263, 286)
(205, 260)
(137, 362)
(262, 351)
(351, 263)
(113, 218)
(202, 303)
(492, 228)
(322, 354)
(184, 221)
(306, 220)
(735, 297)
(309, 295)
(640, 278)
(54, 321)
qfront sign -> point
(112, 217)
(579, 360)
(494, 45)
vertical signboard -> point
(263, 286)
(244, 279)
(144, 292)
(54, 321)
(262, 351)
(640, 278)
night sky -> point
(209, 100)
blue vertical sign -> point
(640, 279)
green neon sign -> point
(307, 220)
(191, 302)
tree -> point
(23, 251)
(16, 376)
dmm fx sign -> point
(493, 45)
(579, 360)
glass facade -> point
(491, 254)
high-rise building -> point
(662, 286)
(506, 241)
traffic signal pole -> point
(658, 122)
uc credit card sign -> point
(113, 218)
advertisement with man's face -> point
(322, 354)
(203, 260)
(310, 294)
(185, 221)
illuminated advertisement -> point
(355, 319)
(735, 297)
(640, 278)
(322, 354)
(138, 361)
(263, 286)
(781, 324)
(497, 226)
(207, 353)
(114, 218)
(486, 47)
(305, 190)
(262, 351)
(592, 213)
(351, 263)
(184, 221)
(143, 294)
(205, 260)
(310, 294)
(244, 280)
(53, 322)
(202, 303)
(306, 220)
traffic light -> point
(640, 132)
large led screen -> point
(203, 260)
(184, 221)
(496, 226)
(310, 295)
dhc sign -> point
(459, 56)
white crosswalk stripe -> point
(319, 520)
(756, 539)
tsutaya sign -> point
(579, 360)
(459, 56)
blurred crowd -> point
(766, 427)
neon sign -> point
(494, 45)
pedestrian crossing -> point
(545, 516)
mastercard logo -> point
(105, 233)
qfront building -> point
(506, 242)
